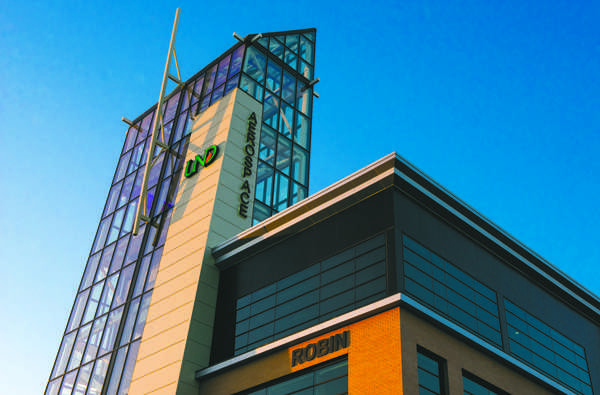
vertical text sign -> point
(249, 151)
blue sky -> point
(498, 101)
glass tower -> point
(99, 347)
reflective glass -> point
(255, 64)
(261, 212)
(128, 370)
(77, 311)
(122, 167)
(171, 106)
(113, 196)
(268, 140)
(94, 339)
(63, 354)
(306, 49)
(92, 304)
(101, 234)
(276, 48)
(222, 71)
(116, 371)
(306, 70)
(104, 263)
(284, 153)
(153, 269)
(289, 88)
(280, 197)
(270, 110)
(286, 120)
(300, 165)
(131, 316)
(115, 228)
(119, 255)
(264, 183)
(53, 387)
(82, 379)
(79, 347)
(107, 294)
(110, 332)
(155, 171)
(137, 186)
(210, 80)
(146, 123)
(123, 287)
(141, 320)
(134, 245)
(291, 59)
(273, 82)
(298, 193)
(141, 277)
(68, 383)
(252, 87)
(303, 98)
(126, 190)
(131, 136)
(97, 378)
(217, 94)
(236, 61)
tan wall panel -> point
(458, 355)
(187, 280)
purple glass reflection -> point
(236, 62)
(222, 72)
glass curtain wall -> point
(102, 336)
(276, 70)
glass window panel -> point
(113, 196)
(101, 234)
(301, 130)
(104, 263)
(107, 294)
(117, 370)
(267, 145)
(79, 347)
(92, 304)
(171, 108)
(298, 193)
(131, 136)
(291, 59)
(371, 288)
(110, 333)
(53, 387)
(255, 64)
(305, 69)
(210, 80)
(128, 370)
(163, 234)
(119, 255)
(153, 269)
(141, 277)
(155, 171)
(137, 186)
(68, 383)
(280, 197)
(205, 103)
(296, 319)
(149, 199)
(146, 123)
(273, 82)
(306, 49)
(337, 286)
(77, 311)
(162, 197)
(181, 121)
(276, 48)
(291, 41)
(63, 354)
(236, 61)
(284, 148)
(126, 191)
(271, 110)
(252, 87)
(94, 339)
(134, 245)
(289, 88)
(131, 316)
(300, 165)
(222, 71)
(337, 272)
(141, 320)
(264, 183)
(260, 213)
(217, 94)
(123, 287)
(82, 379)
(115, 228)
(198, 89)
(97, 378)
(122, 167)
(286, 120)
(303, 99)
(136, 159)
(264, 42)
(232, 83)
(336, 302)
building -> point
(383, 282)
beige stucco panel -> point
(187, 280)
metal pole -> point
(141, 208)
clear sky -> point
(499, 101)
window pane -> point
(111, 202)
(128, 370)
(77, 311)
(94, 339)
(122, 167)
(131, 315)
(104, 263)
(123, 287)
(110, 333)
(236, 62)
(63, 354)
(301, 130)
(273, 81)
(300, 165)
(267, 145)
(289, 88)
(93, 302)
(252, 87)
(79, 347)
(276, 48)
(303, 98)
(286, 120)
(210, 80)
(284, 153)
(261, 212)
(264, 183)
(107, 294)
(101, 234)
(271, 110)
(141, 320)
(97, 379)
(117, 370)
(126, 191)
(306, 49)
(119, 255)
(255, 64)
(280, 198)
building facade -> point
(383, 282)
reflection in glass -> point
(255, 64)
(264, 183)
(267, 145)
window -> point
(432, 373)
(547, 350)
(450, 291)
(329, 379)
(473, 385)
(350, 279)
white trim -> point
(494, 239)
